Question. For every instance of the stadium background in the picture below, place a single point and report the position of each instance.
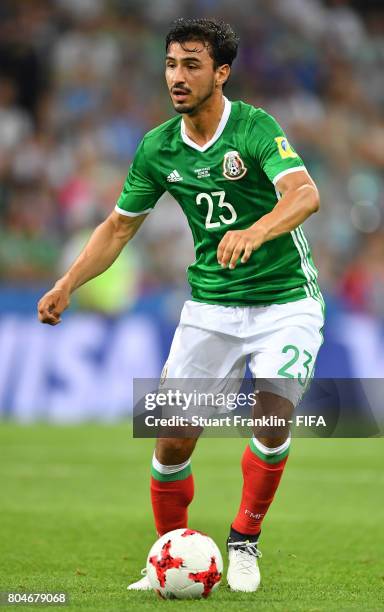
(80, 83)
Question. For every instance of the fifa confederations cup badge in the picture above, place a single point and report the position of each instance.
(233, 166)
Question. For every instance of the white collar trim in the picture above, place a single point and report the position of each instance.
(217, 134)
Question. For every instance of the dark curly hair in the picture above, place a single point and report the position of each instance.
(221, 41)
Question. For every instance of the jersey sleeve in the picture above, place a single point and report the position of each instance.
(141, 191)
(270, 148)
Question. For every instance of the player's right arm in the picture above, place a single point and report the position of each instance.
(104, 246)
(139, 195)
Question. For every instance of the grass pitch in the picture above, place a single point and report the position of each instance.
(75, 517)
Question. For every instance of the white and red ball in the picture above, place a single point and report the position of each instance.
(184, 564)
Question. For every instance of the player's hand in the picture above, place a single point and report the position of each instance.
(239, 243)
(52, 304)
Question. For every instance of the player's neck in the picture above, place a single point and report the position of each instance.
(202, 126)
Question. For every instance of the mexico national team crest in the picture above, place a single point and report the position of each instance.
(233, 166)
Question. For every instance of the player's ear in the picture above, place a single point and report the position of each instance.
(222, 75)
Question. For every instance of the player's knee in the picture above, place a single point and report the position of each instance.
(172, 451)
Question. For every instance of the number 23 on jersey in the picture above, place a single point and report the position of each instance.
(214, 200)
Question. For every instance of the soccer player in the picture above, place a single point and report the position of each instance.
(245, 193)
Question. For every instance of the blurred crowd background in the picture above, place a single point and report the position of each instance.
(81, 81)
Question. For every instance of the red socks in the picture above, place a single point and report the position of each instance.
(172, 489)
(262, 470)
(171, 494)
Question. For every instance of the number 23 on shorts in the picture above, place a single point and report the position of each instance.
(299, 364)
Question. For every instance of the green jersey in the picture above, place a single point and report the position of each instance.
(227, 184)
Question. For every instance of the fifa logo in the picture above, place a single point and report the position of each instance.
(284, 148)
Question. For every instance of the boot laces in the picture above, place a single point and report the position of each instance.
(245, 555)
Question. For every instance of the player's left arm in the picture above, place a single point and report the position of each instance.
(299, 199)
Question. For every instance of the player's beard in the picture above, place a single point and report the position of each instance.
(193, 108)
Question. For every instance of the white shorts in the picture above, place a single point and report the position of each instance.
(281, 342)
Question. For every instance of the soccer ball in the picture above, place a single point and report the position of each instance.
(184, 564)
